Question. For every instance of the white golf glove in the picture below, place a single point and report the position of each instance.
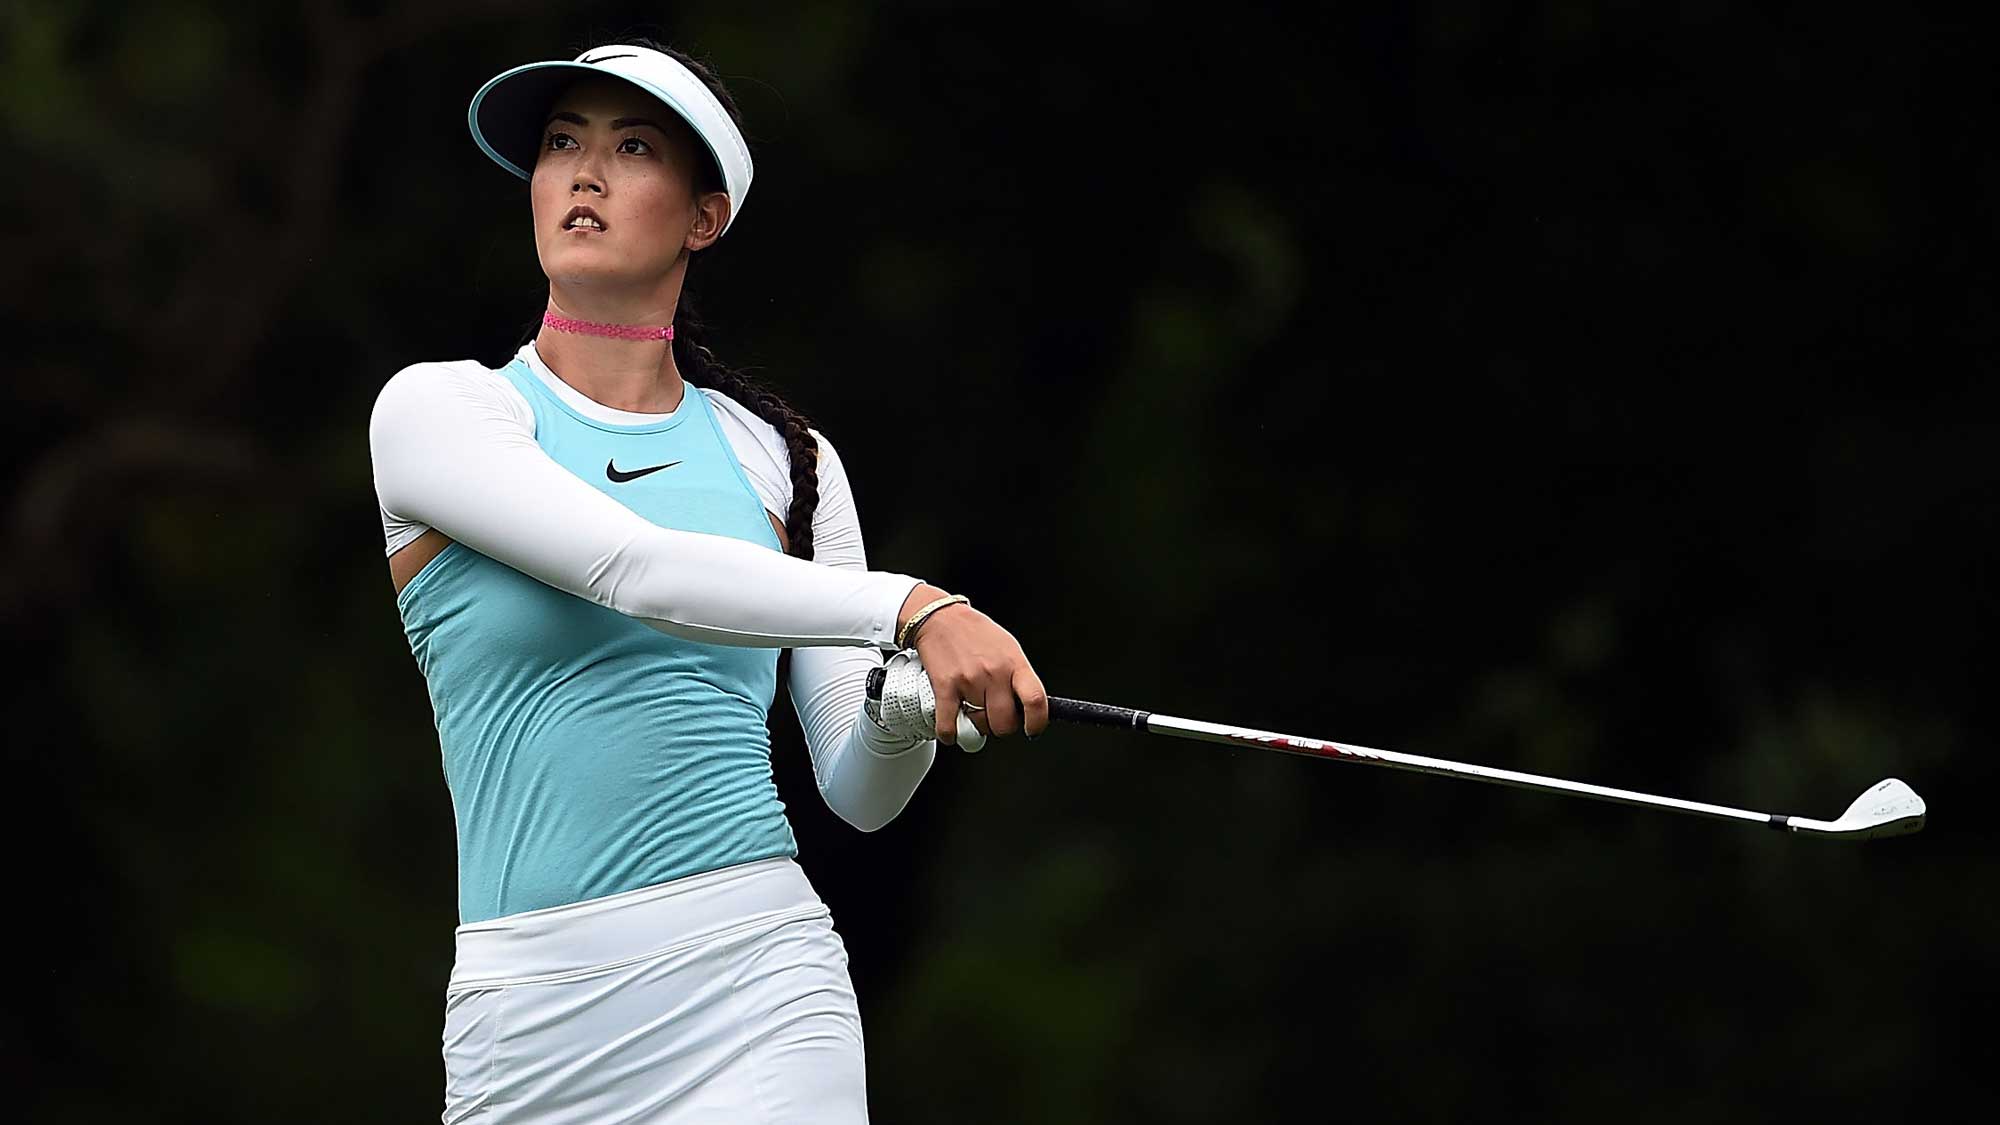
(907, 704)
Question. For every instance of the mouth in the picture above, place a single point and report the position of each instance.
(583, 219)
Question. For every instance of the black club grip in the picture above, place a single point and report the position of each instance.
(1096, 714)
(1060, 709)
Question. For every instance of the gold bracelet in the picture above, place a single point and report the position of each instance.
(907, 635)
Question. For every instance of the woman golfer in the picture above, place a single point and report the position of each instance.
(598, 550)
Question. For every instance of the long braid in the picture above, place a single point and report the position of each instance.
(702, 369)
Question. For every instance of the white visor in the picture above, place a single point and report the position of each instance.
(508, 113)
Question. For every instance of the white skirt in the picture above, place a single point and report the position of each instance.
(721, 997)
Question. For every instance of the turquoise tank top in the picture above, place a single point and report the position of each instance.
(586, 752)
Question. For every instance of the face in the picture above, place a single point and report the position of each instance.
(614, 149)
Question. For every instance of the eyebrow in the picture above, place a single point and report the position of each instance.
(616, 122)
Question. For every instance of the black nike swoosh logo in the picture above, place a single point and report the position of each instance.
(606, 58)
(619, 476)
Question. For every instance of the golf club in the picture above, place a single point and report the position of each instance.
(1887, 808)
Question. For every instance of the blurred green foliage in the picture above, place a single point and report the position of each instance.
(1582, 388)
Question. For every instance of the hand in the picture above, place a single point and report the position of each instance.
(902, 706)
(970, 658)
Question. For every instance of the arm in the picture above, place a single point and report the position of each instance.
(865, 773)
(451, 451)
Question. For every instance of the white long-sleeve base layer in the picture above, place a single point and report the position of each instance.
(454, 449)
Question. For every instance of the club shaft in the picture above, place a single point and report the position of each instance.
(1080, 711)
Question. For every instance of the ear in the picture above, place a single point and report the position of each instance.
(711, 214)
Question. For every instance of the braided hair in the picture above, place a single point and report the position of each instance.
(700, 366)
(702, 369)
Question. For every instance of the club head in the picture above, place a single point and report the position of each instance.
(1888, 808)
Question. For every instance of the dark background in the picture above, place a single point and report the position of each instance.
(1592, 389)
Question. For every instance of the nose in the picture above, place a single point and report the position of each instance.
(587, 177)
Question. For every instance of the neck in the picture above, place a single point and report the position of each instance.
(634, 375)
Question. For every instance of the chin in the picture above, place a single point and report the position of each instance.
(585, 265)
(575, 264)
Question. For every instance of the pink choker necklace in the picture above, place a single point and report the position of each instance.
(615, 331)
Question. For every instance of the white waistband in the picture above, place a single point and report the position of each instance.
(598, 932)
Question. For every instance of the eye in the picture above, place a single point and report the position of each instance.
(554, 139)
(643, 146)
